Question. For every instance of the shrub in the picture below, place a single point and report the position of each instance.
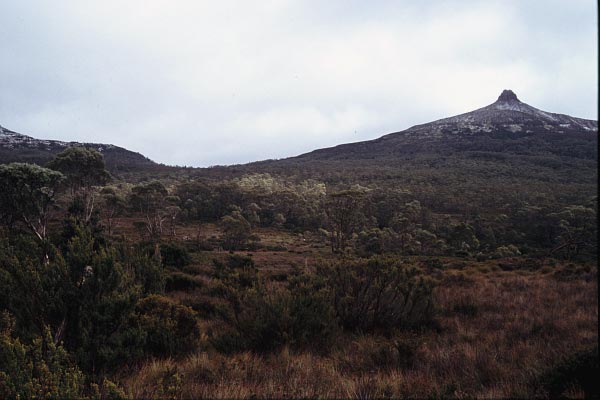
(378, 293)
(264, 318)
(181, 281)
(581, 370)
(371, 353)
(466, 306)
(236, 231)
(38, 370)
(149, 272)
(171, 328)
(507, 251)
(174, 255)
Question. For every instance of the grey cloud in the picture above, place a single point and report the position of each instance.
(204, 83)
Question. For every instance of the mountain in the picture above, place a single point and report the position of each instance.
(505, 126)
(16, 147)
(496, 157)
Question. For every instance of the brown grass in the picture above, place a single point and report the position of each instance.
(498, 331)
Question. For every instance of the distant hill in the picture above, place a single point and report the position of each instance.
(507, 137)
(507, 126)
(16, 147)
(507, 154)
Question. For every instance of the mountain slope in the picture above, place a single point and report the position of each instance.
(506, 126)
(16, 147)
(496, 157)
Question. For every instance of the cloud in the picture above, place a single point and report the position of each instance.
(203, 83)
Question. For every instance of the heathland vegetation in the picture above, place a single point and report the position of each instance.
(247, 283)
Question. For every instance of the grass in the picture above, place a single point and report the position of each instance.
(498, 333)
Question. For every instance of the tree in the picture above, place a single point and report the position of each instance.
(463, 239)
(151, 199)
(172, 210)
(405, 223)
(236, 230)
(343, 211)
(577, 229)
(27, 193)
(84, 169)
(113, 205)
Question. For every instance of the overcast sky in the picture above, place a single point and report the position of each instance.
(201, 83)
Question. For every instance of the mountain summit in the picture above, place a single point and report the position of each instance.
(511, 114)
(507, 96)
(505, 126)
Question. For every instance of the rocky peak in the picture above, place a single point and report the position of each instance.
(507, 96)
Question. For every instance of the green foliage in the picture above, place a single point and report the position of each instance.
(356, 295)
(463, 239)
(181, 281)
(577, 230)
(150, 200)
(236, 231)
(174, 255)
(171, 328)
(37, 370)
(264, 317)
(100, 323)
(507, 251)
(86, 297)
(149, 272)
(378, 294)
(112, 205)
(343, 215)
(83, 167)
(27, 192)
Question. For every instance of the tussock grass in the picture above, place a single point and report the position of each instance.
(522, 327)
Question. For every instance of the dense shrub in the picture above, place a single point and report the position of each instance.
(265, 317)
(378, 293)
(84, 295)
(581, 370)
(149, 273)
(181, 281)
(170, 328)
(174, 255)
(38, 370)
(236, 231)
(371, 353)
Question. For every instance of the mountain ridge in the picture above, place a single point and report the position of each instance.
(507, 119)
(17, 147)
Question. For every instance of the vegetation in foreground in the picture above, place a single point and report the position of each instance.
(265, 286)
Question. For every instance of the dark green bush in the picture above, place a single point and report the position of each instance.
(170, 328)
(580, 370)
(174, 255)
(267, 319)
(181, 281)
(38, 370)
(378, 294)
(264, 318)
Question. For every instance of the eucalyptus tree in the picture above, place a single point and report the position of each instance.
(150, 200)
(27, 193)
(343, 212)
(84, 170)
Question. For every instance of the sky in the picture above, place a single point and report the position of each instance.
(201, 83)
